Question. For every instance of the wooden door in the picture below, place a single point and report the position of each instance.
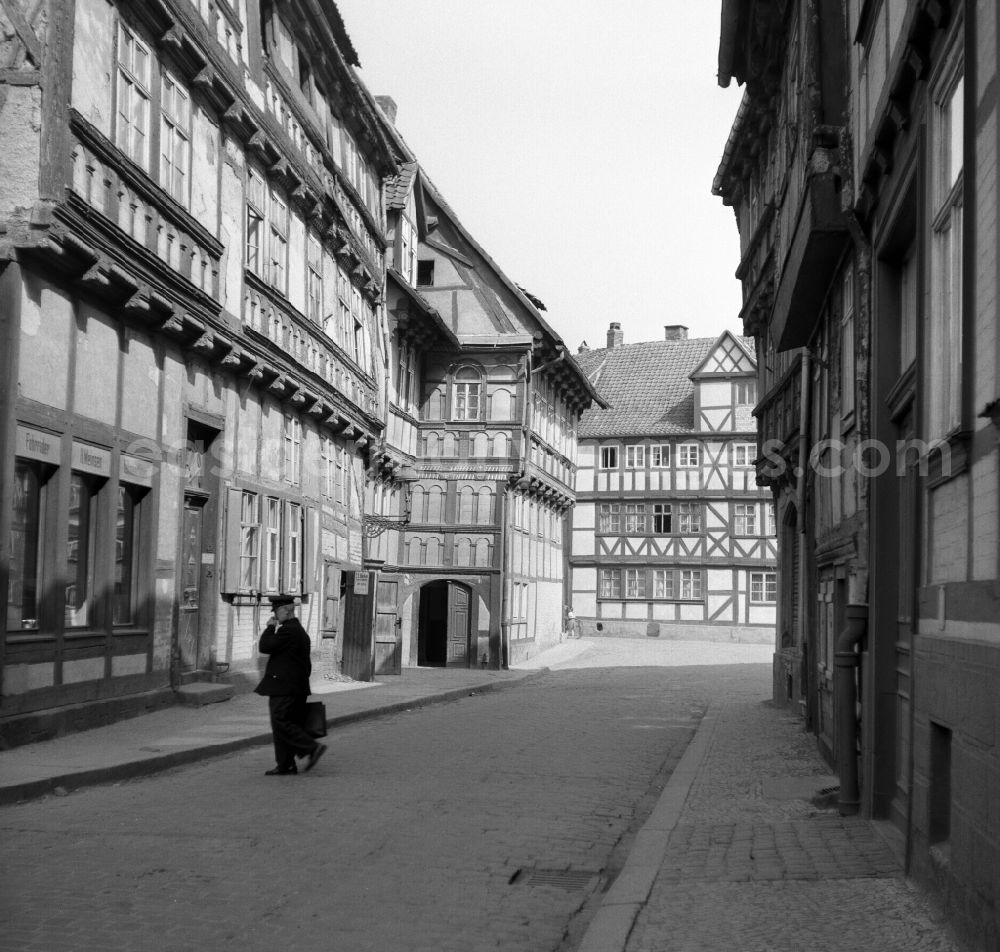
(193, 648)
(388, 630)
(458, 626)
(358, 626)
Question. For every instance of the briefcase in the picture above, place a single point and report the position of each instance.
(315, 723)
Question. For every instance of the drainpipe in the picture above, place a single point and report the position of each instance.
(800, 506)
(845, 698)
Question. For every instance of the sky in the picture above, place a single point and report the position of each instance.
(577, 142)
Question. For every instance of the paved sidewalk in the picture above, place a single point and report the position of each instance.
(180, 735)
(736, 856)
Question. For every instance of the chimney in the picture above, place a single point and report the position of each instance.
(615, 336)
(388, 105)
(583, 348)
(675, 332)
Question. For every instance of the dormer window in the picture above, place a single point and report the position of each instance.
(425, 274)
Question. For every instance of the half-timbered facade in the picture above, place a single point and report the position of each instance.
(863, 171)
(193, 257)
(670, 528)
(478, 454)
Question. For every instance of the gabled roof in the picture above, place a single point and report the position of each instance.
(730, 355)
(648, 387)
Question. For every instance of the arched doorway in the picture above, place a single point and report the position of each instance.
(444, 625)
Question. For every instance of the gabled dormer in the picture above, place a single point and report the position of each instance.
(725, 387)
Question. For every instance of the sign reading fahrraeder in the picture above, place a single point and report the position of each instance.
(91, 459)
(36, 444)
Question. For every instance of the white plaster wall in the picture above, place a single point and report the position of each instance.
(93, 38)
(140, 385)
(272, 449)
(231, 229)
(248, 426)
(205, 171)
(21, 123)
(46, 325)
(715, 393)
(96, 390)
(296, 260)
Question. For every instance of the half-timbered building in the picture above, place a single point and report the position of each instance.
(192, 265)
(862, 168)
(671, 534)
(484, 405)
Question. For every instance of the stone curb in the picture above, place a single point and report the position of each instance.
(610, 928)
(32, 789)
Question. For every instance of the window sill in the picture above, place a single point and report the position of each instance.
(944, 465)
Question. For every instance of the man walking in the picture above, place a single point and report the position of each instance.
(286, 686)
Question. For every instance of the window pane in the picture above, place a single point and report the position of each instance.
(80, 544)
(25, 548)
(126, 554)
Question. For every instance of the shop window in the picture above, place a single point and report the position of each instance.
(27, 519)
(81, 550)
(128, 530)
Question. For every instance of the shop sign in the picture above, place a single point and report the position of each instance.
(36, 444)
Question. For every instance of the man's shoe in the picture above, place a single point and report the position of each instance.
(314, 756)
(281, 771)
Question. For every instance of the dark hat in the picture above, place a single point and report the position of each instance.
(278, 600)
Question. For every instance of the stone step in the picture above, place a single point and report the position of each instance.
(199, 693)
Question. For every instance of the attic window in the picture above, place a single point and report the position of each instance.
(425, 274)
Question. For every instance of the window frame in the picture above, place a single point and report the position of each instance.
(659, 456)
(684, 455)
(609, 457)
(127, 78)
(635, 456)
(763, 582)
(171, 130)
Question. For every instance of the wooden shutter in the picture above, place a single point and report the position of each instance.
(231, 563)
(331, 598)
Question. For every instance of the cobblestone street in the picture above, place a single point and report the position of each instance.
(407, 836)
(496, 821)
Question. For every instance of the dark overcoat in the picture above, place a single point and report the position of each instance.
(288, 665)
